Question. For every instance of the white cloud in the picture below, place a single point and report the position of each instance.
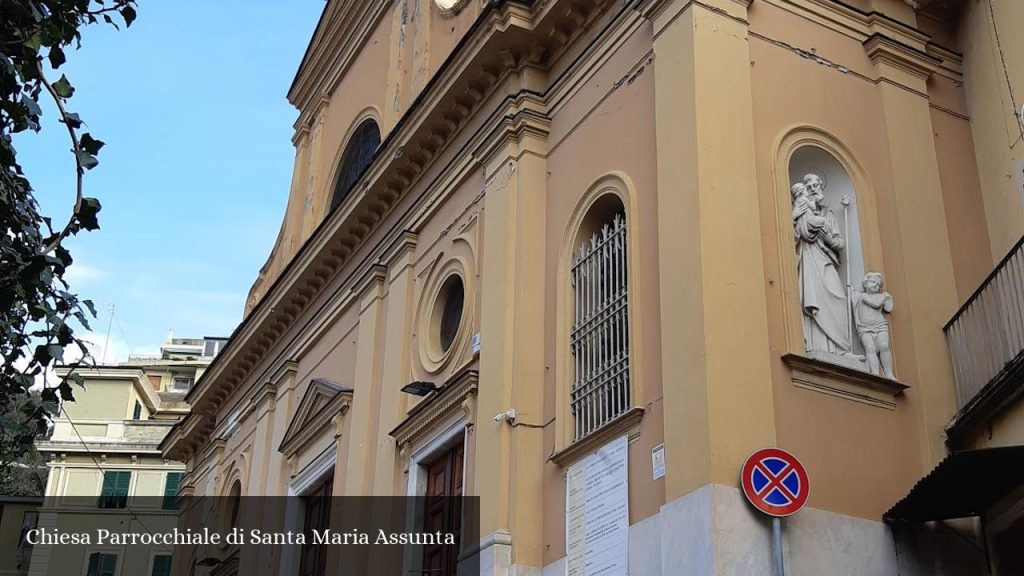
(79, 274)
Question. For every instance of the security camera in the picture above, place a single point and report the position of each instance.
(508, 416)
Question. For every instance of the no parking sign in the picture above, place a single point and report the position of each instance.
(775, 482)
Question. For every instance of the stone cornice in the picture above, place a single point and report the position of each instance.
(625, 423)
(843, 382)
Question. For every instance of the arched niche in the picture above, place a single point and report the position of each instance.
(811, 156)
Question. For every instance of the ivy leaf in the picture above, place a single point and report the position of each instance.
(87, 216)
(73, 120)
(128, 13)
(90, 306)
(87, 160)
(63, 87)
(90, 144)
(34, 42)
(33, 106)
(66, 392)
(56, 57)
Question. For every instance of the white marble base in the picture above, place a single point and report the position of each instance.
(712, 531)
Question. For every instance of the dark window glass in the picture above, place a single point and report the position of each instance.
(137, 413)
(162, 565)
(236, 502)
(358, 155)
(452, 315)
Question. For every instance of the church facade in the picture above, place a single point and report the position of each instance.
(666, 232)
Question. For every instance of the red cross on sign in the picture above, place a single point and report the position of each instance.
(775, 482)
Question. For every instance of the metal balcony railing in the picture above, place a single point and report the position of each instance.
(986, 336)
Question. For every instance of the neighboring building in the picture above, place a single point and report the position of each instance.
(18, 515)
(103, 452)
(983, 477)
(522, 233)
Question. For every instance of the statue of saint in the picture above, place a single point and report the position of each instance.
(869, 310)
(823, 298)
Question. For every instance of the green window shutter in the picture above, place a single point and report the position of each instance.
(137, 414)
(115, 489)
(106, 492)
(109, 565)
(161, 565)
(171, 490)
(101, 564)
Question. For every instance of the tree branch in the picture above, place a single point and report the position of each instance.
(75, 150)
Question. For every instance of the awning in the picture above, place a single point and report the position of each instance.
(964, 484)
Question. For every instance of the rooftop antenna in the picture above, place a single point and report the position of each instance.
(106, 343)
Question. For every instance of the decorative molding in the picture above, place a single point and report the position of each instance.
(402, 246)
(843, 381)
(325, 402)
(433, 411)
(623, 424)
(882, 49)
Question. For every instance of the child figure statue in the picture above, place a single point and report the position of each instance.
(869, 310)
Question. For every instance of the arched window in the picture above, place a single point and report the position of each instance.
(231, 507)
(600, 326)
(358, 155)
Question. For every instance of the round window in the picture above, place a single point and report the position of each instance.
(453, 295)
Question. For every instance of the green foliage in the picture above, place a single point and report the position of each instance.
(37, 307)
(26, 475)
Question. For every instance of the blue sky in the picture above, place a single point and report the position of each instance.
(195, 174)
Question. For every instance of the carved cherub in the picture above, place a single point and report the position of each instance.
(869, 311)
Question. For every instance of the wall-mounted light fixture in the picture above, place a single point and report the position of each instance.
(419, 388)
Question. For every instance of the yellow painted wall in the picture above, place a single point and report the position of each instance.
(989, 65)
(103, 400)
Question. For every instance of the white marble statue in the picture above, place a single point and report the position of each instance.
(869, 310)
(823, 298)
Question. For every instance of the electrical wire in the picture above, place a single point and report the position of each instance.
(134, 514)
(1006, 71)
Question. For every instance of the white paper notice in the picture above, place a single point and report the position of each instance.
(597, 513)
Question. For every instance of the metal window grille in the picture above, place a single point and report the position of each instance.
(600, 331)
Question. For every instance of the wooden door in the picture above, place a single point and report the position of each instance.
(318, 517)
(443, 511)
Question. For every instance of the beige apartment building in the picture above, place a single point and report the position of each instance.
(533, 245)
(104, 458)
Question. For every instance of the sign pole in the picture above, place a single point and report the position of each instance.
(775, 483)
(780, 569)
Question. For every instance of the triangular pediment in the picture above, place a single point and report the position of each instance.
(320, 403)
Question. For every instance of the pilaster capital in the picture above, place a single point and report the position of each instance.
(890, 55)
